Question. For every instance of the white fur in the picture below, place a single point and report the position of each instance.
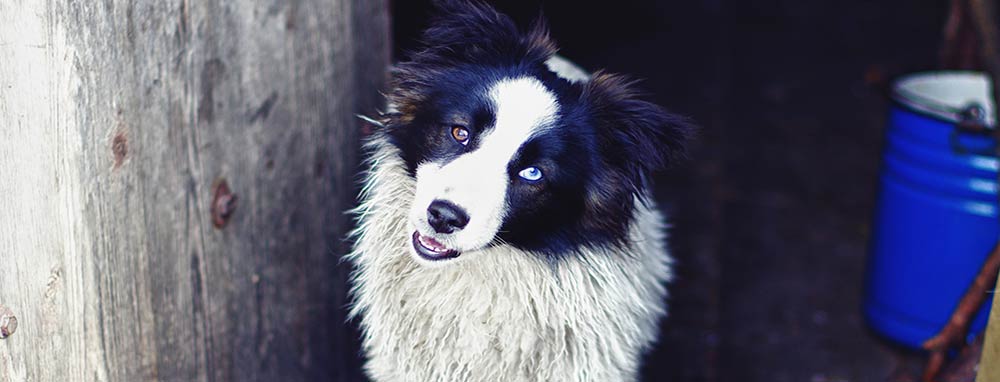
(567, 69)
(477, 181)
(505, 315)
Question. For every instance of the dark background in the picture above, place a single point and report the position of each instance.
(771, 216)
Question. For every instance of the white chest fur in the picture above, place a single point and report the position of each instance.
(505, 315)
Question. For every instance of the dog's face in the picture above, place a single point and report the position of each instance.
(505, 152)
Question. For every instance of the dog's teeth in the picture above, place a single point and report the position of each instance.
(432, 244)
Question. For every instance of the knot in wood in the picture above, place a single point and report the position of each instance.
(8, 322)
(223, 204)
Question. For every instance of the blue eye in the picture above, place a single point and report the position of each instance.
(531, 174)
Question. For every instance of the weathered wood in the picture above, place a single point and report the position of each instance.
(117, 118)
(989, 364)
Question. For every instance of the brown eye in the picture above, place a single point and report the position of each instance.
(461, 134)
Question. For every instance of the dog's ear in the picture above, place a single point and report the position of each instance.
(637, 136)
(473, 31)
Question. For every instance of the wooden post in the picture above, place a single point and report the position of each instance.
(119, 121)
(989, 364)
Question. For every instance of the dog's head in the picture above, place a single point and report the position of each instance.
(506, 152)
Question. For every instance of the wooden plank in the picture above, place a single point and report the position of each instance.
(989, 364)
(116, 120)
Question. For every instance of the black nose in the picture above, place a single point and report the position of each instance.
(446, 217)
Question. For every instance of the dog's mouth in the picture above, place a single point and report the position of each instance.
(430, 249)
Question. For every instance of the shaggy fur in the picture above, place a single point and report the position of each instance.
(509, 315)
(572, 286)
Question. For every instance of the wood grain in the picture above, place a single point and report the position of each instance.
(989, 364)
(117, 118)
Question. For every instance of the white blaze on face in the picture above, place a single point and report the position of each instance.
(477, 181)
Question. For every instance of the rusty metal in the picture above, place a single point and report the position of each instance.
(8, 322)
(223, 203)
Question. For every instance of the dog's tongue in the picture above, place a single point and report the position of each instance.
(432, 244)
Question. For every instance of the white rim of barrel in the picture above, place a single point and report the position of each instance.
(946, 94)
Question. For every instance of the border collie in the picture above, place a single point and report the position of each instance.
(506, 230)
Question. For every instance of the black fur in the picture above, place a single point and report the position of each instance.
(597, 159)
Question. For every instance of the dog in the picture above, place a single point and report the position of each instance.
(505, 230)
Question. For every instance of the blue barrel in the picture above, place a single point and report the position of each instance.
(936, 219)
